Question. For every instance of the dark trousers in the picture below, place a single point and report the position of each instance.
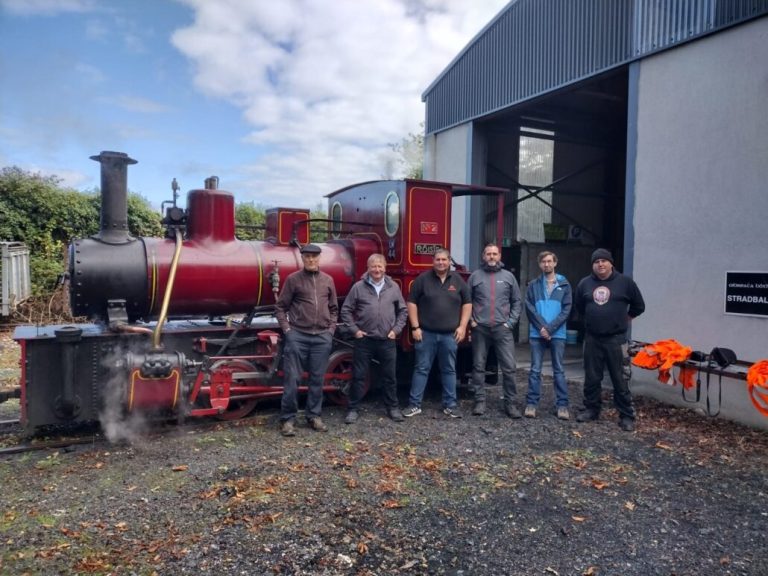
(385, 352)
(502, 339)
(310, 351)
(601, 353)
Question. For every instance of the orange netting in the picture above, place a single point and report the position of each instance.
(663, 355)
(757, 378)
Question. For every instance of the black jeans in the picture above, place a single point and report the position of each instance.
(310, 351)
(385, 352)
(601, 352)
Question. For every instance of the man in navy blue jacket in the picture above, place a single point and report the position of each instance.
(607, 301)
(547, 306)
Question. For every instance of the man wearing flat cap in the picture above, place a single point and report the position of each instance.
(307, 309)
(607, 301)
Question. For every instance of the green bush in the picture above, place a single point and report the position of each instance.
(36, 210)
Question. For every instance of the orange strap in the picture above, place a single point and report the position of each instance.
(663, 355)
(757, 378)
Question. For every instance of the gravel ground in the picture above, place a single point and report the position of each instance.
(480, 495)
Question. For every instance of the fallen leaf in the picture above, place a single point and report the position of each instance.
(663, 446)
(591, 571)
(598, 484)
(629, 506)
(180, 468)
(362, 548)
(391, 504)
(577, 434)
(578, 518)
(549, 570)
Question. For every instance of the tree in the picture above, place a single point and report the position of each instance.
(36, 210)
(250, 219)
(410, 154)
(318, 230)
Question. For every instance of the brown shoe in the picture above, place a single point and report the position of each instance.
(317, 424)
(530, 411)
(287, 429)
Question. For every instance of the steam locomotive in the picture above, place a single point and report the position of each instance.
(183, 326)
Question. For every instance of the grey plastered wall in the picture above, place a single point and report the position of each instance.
(447, 160)
(701, 197)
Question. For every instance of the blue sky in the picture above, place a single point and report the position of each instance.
(284, 100)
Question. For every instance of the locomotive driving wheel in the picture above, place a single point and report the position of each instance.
(340, 365)
(236, 407)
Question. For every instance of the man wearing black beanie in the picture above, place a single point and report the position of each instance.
(607, 301)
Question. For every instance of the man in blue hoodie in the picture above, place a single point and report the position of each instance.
(547, 305)
(496, 307)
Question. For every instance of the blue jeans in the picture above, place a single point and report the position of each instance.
(557, 350)
(444, 347)
(310, 351)
(502, 339)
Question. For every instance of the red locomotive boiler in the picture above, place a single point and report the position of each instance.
(159, 339)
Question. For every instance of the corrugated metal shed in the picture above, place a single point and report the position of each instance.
(536, 46)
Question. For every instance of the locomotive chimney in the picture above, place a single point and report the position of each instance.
(114, 196)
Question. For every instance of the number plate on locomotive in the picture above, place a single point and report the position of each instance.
(420, 248)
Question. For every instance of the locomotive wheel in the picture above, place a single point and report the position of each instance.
(237, 408)
(340, 362)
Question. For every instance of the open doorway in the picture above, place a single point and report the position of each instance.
(563, 157)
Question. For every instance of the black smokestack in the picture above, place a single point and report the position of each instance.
(114, 196)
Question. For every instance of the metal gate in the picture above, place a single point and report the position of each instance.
(16, 286)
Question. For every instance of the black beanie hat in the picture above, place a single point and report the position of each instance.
(602, 254)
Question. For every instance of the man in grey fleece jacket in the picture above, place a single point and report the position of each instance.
(496, 307)
(375, 313)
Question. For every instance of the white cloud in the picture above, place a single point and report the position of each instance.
(325, 86)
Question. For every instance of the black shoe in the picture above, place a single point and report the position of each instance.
(587, 415)
(453, 412)
(395, 414)
(351, 417)
(479, 408)
(512, 411)
(627, 424)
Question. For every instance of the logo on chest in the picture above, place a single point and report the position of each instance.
(601, 295)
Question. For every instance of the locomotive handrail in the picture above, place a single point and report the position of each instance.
(168, 290)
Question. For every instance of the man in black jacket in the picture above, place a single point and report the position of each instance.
(607, 301)
(375, 313)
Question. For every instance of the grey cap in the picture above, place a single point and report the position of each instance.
(311, 249)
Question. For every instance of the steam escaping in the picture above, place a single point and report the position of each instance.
(118, 424)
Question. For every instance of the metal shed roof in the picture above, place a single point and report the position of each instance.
(536, 46)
